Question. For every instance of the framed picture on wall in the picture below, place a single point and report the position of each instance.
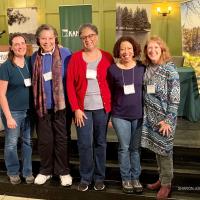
(133, 20)
(23, 20)
(190, 12)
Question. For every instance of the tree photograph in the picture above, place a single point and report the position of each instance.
(190, 15)
(133, 20)
(23, 20)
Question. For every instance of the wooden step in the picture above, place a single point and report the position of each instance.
(52, 190)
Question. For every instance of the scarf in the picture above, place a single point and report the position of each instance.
(57, 84)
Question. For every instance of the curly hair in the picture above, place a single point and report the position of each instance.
(165, 53)
(135, 45)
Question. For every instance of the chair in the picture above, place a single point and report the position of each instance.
(178, 60)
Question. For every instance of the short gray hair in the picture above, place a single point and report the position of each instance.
(48, 28)
(87, 25)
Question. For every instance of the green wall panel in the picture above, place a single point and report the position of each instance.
(17, 3)
(72, 2)
(31, 3)
(109, 29)
(95, 4)
(169, 28)
(3, 25)
(53, 19)
(53, 6)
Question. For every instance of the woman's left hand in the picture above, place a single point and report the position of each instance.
(164, 128)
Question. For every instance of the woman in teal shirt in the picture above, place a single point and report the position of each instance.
(15, 84)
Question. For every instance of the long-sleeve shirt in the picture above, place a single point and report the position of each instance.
(77, 82)
(130, 106)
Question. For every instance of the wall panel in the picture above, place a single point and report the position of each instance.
(103, 16)
(17, 3)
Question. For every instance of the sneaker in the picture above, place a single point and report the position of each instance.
(127, 187)
(41, 179)
(99, 186)
(83, 187)
(15, 179)
(66, 180)
(137, 186)
(29, 179)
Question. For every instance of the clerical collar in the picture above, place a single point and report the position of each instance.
(46, 53)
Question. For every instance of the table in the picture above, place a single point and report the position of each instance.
(189, 95)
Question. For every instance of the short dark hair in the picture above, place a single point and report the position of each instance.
(135, 45)
(48, 28)
(87, 25)
(11, 37)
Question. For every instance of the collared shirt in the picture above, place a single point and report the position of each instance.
(47, 67)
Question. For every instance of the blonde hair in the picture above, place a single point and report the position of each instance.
(165, 54)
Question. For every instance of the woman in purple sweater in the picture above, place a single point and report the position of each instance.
(125, 80)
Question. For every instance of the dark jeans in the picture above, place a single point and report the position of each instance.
(52, 143)
(92, 146)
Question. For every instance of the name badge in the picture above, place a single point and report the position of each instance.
(151, 89)
(47, 76)
(129, 89)
(91, 74)
(27, 82)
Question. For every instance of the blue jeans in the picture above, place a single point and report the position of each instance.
(22, 130)
(92, 146)
(129, 137)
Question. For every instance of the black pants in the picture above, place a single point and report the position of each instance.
(52, 143)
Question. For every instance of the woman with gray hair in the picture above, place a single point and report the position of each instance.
(49, 69)
(89, 96)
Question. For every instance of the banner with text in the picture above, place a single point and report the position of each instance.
(71, 17)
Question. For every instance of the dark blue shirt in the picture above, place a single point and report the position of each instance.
(129, 106)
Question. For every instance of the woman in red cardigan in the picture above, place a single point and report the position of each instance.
(89, 96)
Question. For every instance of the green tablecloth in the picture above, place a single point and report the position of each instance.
(189, 98)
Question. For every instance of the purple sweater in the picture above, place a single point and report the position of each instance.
(130, 106)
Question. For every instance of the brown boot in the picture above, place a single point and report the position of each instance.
(154, 186)
(164, 192)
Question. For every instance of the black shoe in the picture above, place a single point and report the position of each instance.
(99, 186)
(82, 187)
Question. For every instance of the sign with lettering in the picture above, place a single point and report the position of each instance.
(71, 17)
(3, 56)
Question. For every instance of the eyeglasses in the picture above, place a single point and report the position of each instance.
(90, 36)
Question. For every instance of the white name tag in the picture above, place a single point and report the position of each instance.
(27, 82)
(91, 74)
(129, 89)
(47, 76)
(151, 89)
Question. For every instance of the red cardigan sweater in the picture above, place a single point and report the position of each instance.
(77, 82)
